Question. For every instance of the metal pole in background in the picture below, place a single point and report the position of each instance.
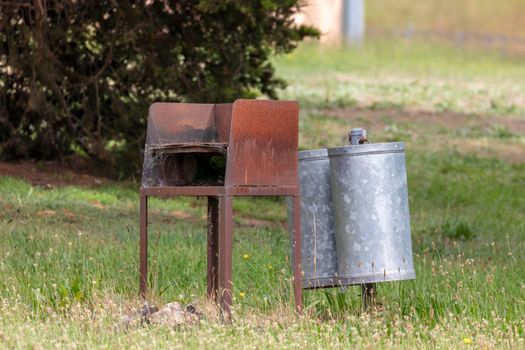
(354, 21)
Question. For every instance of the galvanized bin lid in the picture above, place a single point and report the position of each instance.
(313, 154)
(365, 149)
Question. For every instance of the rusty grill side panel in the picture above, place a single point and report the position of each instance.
(263, 144)
(222, 121)
(180, 122)
(186, 144)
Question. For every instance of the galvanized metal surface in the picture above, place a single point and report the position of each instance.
(369, 190)
(257, 141)
(318, 252)
(357, 136)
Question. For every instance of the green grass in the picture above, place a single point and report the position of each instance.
(413, 60)
(385, 74)
(468, 236)
(69, 255)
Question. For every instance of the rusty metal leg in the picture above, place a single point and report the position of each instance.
(368, 295)
(213, 247)
(225, 256)
(143, 269)
(296, 222)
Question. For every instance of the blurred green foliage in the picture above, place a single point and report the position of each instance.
(77, 77)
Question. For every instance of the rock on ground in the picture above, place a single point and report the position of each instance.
(171, 315)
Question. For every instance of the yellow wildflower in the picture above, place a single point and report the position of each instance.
(467, 340)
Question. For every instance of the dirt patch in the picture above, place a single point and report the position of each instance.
(182, 215)
(46, 213)
(483, 135)
(507, 151)
(240, 220)
(51, 174)
(252, 222)
(450, 120)
(97, 204)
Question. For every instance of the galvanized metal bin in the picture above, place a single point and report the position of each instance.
(370, 201)
(318, 251)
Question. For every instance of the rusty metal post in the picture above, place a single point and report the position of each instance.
(213, 247)
(225, 255)
(143, 268)
(368, 297)
(297, 277)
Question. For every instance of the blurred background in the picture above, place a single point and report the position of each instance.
(491, 25)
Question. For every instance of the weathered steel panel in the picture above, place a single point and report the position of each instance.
(262, 148)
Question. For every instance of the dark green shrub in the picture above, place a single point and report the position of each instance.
(78, 76)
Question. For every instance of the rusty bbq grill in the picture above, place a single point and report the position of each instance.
(248, 148)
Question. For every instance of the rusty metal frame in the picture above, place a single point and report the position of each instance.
(253, 125)
(220, 241)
